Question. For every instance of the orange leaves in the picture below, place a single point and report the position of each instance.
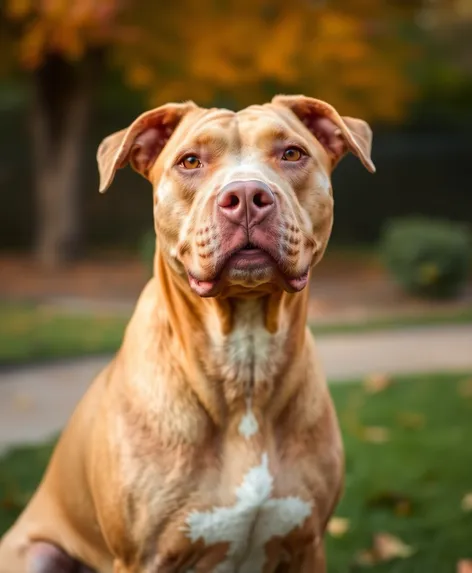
(338, 526)
(398, 503)
(385, 547)
(275, 58)
(140, 76)
(17, 9)
(327, 51)
(67, 27)
(376, 383)
(183, 50)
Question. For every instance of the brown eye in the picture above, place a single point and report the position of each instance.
(292, 154)
(191, 162)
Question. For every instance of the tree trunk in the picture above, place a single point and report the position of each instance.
(61, 112)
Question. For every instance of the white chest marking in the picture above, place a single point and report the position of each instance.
(250, 353)
(248, 425)
(250, 523)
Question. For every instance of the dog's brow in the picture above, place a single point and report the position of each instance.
(210, 118)
(213, 138)
(277, 132)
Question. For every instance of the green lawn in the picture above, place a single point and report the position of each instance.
(434, 318)
(425, 468)
(410, 486)
(30, 332)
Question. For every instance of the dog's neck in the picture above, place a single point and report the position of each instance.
(238, 350)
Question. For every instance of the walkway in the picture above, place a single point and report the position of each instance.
(36, 401)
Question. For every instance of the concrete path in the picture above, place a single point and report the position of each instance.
(36, 401)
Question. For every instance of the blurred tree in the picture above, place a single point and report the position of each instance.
(60, 42)
(226, 52)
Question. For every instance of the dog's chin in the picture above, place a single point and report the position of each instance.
(246, 272)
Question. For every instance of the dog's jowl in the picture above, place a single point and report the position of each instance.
(209, 444)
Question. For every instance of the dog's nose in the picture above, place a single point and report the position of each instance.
(246, 202)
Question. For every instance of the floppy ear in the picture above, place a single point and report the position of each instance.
(337, 134)
(140, 143)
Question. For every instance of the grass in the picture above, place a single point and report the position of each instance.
(410, 486)
(434, 318)
(30, 332)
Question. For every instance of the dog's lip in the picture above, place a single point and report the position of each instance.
(247, 253)
(203, 288)
(298, 283)
(246, 256)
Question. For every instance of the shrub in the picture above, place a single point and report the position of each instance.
(427, 257)
(147, 249)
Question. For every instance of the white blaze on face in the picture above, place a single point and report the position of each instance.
(164, 189)
(250, 523)
(322, 182)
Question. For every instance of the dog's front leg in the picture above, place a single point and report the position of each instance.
(311, 560)
(314, 560)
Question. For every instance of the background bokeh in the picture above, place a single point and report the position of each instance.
(76, 70)
(392, 298)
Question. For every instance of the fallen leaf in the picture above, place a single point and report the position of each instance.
(466, 503)
(338, 526)
(387, 547)
(464, 388)
(411, 420)
(375, 434)
(399, 503)
(365, 558)
(15, 500)
(464, 566)
(376, 383)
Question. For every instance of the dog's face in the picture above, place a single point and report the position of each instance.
(242, 201)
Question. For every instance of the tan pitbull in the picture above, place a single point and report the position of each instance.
(209, 443)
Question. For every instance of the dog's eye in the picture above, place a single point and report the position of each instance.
(191, 162)
(292, 154)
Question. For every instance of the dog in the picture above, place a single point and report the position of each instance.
(210, 442)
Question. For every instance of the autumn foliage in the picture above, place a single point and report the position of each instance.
(346, 52)
(356, 54)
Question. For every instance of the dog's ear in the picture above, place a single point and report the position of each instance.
(140, 143)
(337, 134)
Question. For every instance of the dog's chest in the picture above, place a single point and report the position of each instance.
(257, 516)
(248, 358)
(236, 508)
(234, 504)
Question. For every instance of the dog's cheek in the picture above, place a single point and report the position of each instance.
(323, 224)
(169, 219)
(315, 220)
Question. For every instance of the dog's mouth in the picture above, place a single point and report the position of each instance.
(250, 261)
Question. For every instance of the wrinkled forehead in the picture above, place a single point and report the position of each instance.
(253, 129)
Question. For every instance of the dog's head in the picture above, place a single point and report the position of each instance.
(242, 201)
